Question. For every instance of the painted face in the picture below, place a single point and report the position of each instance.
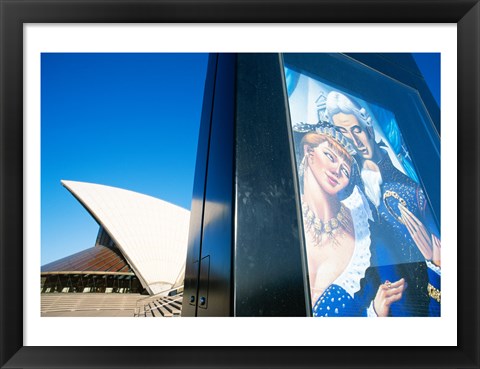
(362, 139)
(330, 170)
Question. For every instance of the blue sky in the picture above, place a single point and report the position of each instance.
(123, 120)
(429, 65)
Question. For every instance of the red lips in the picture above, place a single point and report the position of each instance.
(332, 180)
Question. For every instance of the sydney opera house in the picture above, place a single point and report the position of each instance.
(140, 247)
(242, 250)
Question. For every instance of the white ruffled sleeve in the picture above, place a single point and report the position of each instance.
(350, 279)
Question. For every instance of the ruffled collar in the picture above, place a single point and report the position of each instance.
(350, 279)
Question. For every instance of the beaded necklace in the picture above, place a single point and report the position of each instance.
(331, 228)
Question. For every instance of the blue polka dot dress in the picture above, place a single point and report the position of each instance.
(337, 300)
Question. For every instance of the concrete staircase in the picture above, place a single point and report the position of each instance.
(110, 304)
(160, 306)
(58, 302)
(165, 306)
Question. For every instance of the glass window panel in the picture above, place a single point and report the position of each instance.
(367, 153)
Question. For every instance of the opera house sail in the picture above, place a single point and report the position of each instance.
(140, 247)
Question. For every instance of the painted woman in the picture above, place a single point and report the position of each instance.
(336, 219)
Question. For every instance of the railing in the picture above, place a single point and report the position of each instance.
(160, 304)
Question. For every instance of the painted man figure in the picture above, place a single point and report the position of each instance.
(402, 247)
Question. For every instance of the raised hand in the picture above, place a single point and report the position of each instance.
(417, 230)
(437, 246)
(387, 294)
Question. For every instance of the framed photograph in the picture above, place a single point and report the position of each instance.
(322, 91)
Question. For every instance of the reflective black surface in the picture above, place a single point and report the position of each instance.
(269, 273)
(217, 240)
(213, 216)
(249, 260)
(198, 196)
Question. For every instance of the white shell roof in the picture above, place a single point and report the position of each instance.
(152, 234)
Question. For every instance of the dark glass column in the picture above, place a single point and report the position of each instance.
(270, 278)
(245, 253)
(208, 273)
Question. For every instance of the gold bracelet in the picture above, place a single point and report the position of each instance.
(395, 195)
(434, 293)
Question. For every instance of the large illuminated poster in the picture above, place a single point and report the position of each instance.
(372, 244)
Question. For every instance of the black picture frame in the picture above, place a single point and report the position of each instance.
(15, 13)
